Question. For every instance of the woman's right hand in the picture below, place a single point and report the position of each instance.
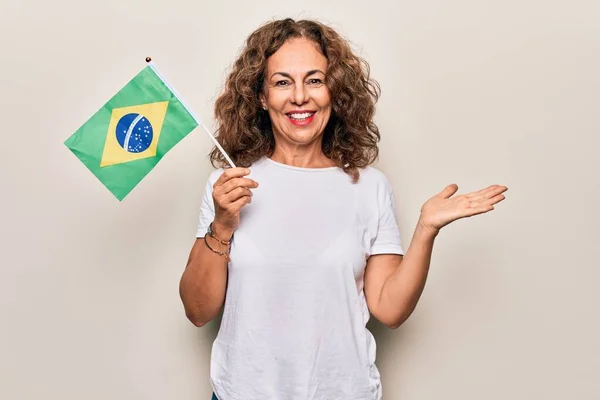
(230, 193)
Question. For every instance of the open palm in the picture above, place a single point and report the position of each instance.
(442, 209)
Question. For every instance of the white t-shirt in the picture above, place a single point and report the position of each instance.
(295, 314)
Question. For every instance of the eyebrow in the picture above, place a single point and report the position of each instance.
(309, 73)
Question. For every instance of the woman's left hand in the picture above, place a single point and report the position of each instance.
(441, 210)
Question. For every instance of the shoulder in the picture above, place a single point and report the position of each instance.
(373, 173)
(375, 186)
(374, 177)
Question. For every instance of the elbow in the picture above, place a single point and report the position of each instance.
(200, 316)
(196, 320)
(200, 310)
(396, 321)
(195, 315)
(198, 324)
(393, 325)
(389, 322)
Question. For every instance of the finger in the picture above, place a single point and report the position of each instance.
(496, 199)
(238, 182)
(237, 205)
(486, 193)
(484, 204)
(230, 173)
(235, 194)
(477, 209)
(448, 191)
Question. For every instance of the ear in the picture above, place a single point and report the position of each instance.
(263, 100)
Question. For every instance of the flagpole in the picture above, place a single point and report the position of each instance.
(189, 110)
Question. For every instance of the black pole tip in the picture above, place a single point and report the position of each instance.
(148, 59)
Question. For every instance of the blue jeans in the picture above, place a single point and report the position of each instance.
(214, 397)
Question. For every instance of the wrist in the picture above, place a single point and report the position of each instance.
(222, 231)
(427, 229)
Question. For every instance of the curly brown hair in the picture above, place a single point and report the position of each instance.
(244, 128)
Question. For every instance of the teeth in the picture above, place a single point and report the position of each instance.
(300, 116)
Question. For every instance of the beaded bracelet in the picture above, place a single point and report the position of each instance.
(211, 233)
(221, 253)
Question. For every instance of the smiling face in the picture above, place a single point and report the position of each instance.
(295, 94)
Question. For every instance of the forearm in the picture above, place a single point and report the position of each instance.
(203, 283)
(403, 288)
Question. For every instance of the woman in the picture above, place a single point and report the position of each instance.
(299, 243)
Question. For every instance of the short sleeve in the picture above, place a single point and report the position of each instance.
(387, 239)
(207, 206)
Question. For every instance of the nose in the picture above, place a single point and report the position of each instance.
(299, 95)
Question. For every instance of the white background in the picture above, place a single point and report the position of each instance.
(474, 93)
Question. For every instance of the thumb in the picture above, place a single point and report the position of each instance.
(449, 191)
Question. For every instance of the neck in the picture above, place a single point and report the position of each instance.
(308, 158)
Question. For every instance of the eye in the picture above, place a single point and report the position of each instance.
(315, 81)
(281, 83)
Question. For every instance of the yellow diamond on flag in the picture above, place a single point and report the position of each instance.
(133, 133)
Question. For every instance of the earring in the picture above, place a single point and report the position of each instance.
(265, 108)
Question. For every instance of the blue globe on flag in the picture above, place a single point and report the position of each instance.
(134, 133)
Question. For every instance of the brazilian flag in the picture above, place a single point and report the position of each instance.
(128, 136)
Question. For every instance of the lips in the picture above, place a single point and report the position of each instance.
(301, 117)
